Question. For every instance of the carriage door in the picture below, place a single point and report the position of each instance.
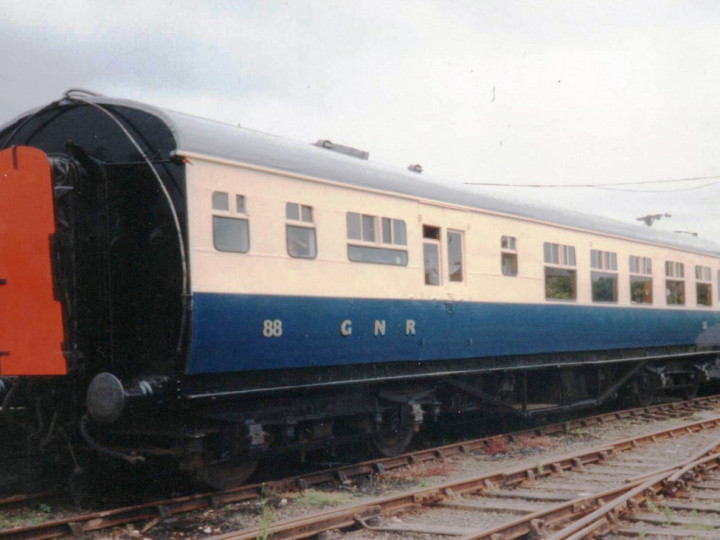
(431, 254)
(31, 325)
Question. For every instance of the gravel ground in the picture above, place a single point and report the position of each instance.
(282, 506)
(612, 474)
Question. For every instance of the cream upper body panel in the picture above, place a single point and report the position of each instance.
(267, 267)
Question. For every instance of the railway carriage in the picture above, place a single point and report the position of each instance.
(217, 294)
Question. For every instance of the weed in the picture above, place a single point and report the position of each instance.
(668, 516)
(9, 520)
(267, 498)
(312, 497)
(695, 524)
(540, 468)
(266, 520)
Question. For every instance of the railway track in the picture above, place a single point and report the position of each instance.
(25, 499)
(154, 513)
(574, 496)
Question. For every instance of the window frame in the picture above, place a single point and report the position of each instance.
(640, 271)
(227, 214)
(674, 281)
(304, 221)
(603, 265)
(703, 282)
(372, 248)
(560, 259)
(508, 251)
(461, 235)
(671, 287)
(675, 269)
(432, 240)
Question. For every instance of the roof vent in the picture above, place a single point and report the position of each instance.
(342, 149)
(415, 167)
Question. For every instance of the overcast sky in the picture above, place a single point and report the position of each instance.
(512, 92)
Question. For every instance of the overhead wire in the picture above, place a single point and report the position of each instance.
(610, 185)
(694, 188)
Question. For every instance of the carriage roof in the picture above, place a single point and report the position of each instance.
(200, 136)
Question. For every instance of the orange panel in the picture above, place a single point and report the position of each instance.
(31, 327)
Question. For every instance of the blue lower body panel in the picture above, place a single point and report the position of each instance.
(234, 333)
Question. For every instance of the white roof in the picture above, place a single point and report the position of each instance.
(230, 142)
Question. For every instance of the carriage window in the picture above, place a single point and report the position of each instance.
(431, 254)
(386, 230)
(640, 280)
(376, 239)
(300, 231)
(368, 228)
(399, 232)
(240, 204)
(220, 200)
(559, 254)
(230, 233)
(354, 232)
(703, 285)
(605, 281)
(675, 288)
(674, 269)
(702, 273)
(560, 277)
(508, 256)
(640, 265)
(455, 255)
(675, 292)
(396, 257)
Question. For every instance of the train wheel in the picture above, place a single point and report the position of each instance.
(643, 393)
(391, 444)
(390, 441)
(691, 391)
(223, 476)
(80, 488)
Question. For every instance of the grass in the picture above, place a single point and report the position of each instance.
(313, 497)
(668, 516)
(267, 518)
(12, 519)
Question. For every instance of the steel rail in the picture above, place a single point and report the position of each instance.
(538, 521)
(350, 515)
(600, 518)
(21, 499)
(157, 511)
(599, 507)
